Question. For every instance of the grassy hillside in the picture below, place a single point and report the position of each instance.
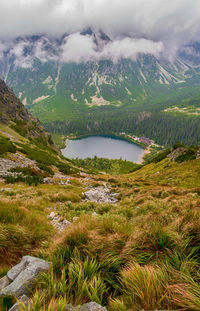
(140, 253)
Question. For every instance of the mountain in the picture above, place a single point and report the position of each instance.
(27, 151)
(85, 97)
(14, 114)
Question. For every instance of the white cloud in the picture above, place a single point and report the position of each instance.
(164, 24)
(130, 48)
(78, 48)
(82, 48)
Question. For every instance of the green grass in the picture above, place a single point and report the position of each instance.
(141, 253)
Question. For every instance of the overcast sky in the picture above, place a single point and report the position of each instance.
(154, 26)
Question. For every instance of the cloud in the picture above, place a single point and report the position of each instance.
(131, 48)
(164, 24)
(21, 60)
(78, 48)
(82, 48)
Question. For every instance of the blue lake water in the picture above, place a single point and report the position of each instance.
(102, 147)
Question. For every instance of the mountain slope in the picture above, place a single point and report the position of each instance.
(14, 114)
(68, 95)
(27, 152)
(125, 255)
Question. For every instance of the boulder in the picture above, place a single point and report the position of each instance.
(23, 302)
(23, 275)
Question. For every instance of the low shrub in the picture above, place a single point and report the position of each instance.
(6, 146)
(161, 156)
(29, 180)
(46, 168)
(189, 154)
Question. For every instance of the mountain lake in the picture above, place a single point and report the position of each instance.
(102, 147)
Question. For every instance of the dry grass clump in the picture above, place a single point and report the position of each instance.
(21, 231)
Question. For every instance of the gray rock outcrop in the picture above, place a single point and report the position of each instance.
(100, 195)
(22, 276)
(175, 153)
(57, 221)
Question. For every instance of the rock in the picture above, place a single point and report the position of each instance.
(91, 306)
(23, 301)
(94, 214)
(175, 153)
(23, 276)
(57, 221)
(5, 189)
(4, 282)
(100, 195)
(75, 218)
(52, 215)
(69, 308)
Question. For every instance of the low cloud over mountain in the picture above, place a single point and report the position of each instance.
(134, 26)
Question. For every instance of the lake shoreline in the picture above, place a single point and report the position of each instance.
(113, 136)
(136, 156)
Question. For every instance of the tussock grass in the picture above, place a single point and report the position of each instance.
(141, 253)
(21, 231)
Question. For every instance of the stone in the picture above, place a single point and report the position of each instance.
(23, 276)
(5, 189)
(94, 214)
(57, 221)
(91, 306)
(23, 302)
(4, 282)
(52, 215)
(100, 195)
(175, 153)
(69, 308)
(75, 218)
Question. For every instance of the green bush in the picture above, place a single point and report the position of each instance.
(30, 180)
(64, 168)
(6, 146)
(45, 168)
(20, 126)
(40, 156)
(189, 154)
(161, 156)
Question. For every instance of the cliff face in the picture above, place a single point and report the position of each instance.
(15, 114)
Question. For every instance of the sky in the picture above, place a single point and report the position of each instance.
(134, 26)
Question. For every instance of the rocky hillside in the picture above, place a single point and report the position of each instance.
(27, 153)
(14, 114)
